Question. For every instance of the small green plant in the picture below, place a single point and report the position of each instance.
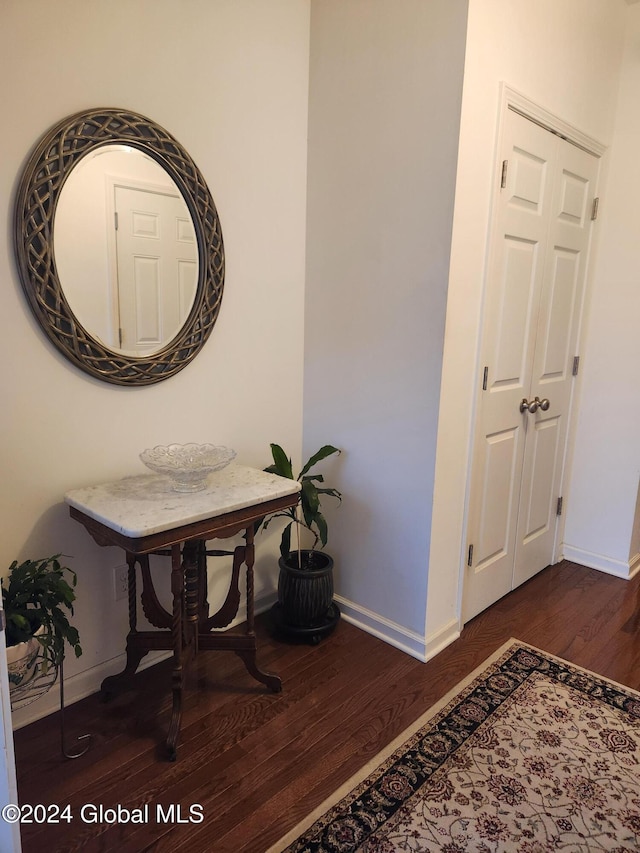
(37, 594)
(310, 497)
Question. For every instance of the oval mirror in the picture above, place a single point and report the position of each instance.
(119, 247)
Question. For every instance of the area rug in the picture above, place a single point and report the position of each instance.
(531, 754)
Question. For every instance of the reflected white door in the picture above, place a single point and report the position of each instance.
(534, 297)
(9, 832)
(157, 262)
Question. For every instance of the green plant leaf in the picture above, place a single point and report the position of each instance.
(285, 542)
(334, 493)
(321, 524)
(266, 520)
(310, 500)
(326, 450)
(282, 463)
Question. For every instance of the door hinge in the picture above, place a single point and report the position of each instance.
(594, 209)
(503, 177)
(485, 377)
(115, 219)
(120, 336)
(559, 507)
(470, 556)
(576, 364)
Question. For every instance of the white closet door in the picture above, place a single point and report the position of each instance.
(534, 290)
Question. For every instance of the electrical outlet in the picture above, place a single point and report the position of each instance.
(121, 582)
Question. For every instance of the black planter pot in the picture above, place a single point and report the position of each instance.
(305, 607)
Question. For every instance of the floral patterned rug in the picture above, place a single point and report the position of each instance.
(532, 754)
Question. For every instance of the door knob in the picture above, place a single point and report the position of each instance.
(526, 406)
(544, 403)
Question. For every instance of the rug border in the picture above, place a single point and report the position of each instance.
(388, 750)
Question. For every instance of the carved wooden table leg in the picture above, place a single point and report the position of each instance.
(177, 588)
(248, 656)
(203, 583)
(132, 592)
(115, 683)
(191, 565)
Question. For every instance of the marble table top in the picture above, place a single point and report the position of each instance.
(142, 505)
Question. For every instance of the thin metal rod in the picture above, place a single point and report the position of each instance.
(65, 752)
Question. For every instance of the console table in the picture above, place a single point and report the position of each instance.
(144, 516)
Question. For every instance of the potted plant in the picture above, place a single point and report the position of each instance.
(305, 605)
(35, 597)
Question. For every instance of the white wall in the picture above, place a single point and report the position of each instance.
(565, 57)
(603, 522)
(229, 79)
(385, 88)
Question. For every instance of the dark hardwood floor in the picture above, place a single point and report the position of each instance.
(258, 762)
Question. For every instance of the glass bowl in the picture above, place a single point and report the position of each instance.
(188, 465)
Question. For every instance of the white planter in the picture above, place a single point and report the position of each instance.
(21, 660)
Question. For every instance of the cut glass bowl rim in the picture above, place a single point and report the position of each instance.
(188, 465)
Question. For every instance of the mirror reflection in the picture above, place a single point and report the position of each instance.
(125, 249)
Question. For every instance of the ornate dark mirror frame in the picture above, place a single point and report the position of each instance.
(38, 193)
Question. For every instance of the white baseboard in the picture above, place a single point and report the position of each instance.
(443, 638)
(414, 644)
(619, 568)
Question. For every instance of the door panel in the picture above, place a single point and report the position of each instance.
(536, 510)
(536, 272)
(187, 285)
(537, 518)
(511, 350)
(147, 295)
(499, 481)
(556, 350)
(528, 179)
(500, 468)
